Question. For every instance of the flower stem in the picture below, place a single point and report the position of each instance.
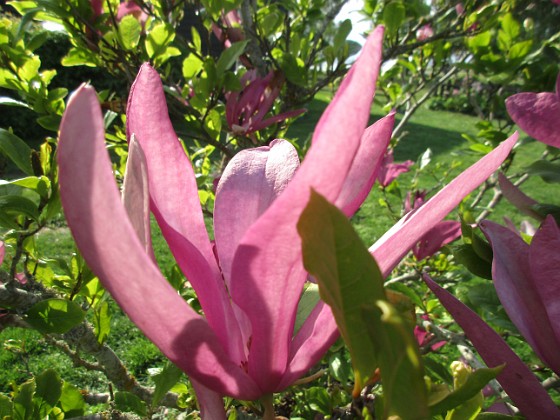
(268, 404)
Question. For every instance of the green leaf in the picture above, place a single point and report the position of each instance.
(229, 56)
(402, 373)
(340, 368)
(126, 401)
(4, 100)
(71, 401)
(466, 255)
(165, 380)
(341, 34)
(129, 31)
(473, 385)
(50, 122)
(102, 322)
(393, 16)
(191, 66)
(15, 205)
(47, 393)
(55, 316)
(347, 275)
(308, 300)
(16, 150)
(41, 185)
(5, 407)
(23, 402)
(158, 39)
(548, 171)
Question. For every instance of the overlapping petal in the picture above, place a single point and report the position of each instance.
(527, 282)
(176, 206)
(522, 386)
(538, 114)
(109, 243)
(268, 275)
(396, 242)
(366, 165)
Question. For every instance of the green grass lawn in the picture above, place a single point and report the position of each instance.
(25, 352)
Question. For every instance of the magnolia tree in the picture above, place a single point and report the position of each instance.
(268, 272)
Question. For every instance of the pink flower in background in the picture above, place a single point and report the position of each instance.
(246, 110)
(232, 32)
(390, 171)
(441, 234)
(538, 114)
(425, 32)
(527, 280)
(96, 7)
(459, 9)
(131, 8)
(424, 337)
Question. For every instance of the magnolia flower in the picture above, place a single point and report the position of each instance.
(424, 32)
(527, 280)
(390, 171)
(233, 31)
(441, 234)
(538, 114)
(246, 110)
(130, 7)
(250, 284)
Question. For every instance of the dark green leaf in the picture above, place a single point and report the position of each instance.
(347, 275)
(465, 255)
(229, 56)
(23, 402)
(165, 380)
(16, 150)
(341, 34)
(402, 372)
(47, 393)
(55, 316)
(15, 205)
(5, 407)
(474, 384)
(127, 402)
(71, 401)
(393, 15)
(548, 171)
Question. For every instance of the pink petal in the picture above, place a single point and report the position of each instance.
(136, 197)
(544, 260)
(110, 245)
(2, 251)
(276, 119)
(318, 333)
(519, 293)
(516, 197)
(442, 234)
(96, 7)
(176, 206)
(538, 114)
(366, 165)
(267, 273)
(395, 243)
(210, 403)
(518, 381)
(392, 171)
(250, 183)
